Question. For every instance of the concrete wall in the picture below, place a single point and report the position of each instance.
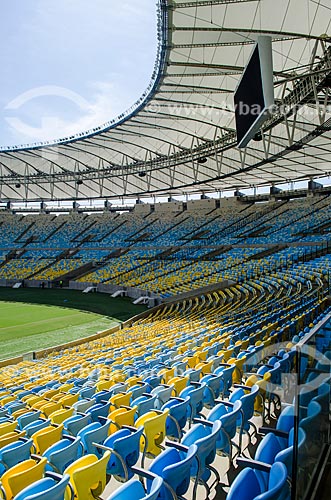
(133, 293)
(11, 361)
(142, 209)
(205, 205)
(171, 207)
(231, 203)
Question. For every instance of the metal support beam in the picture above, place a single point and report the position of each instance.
(205, 3)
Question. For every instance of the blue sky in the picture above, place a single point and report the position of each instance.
(71, 65)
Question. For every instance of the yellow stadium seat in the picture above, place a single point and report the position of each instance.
(88, 476)
(7, 399)
(68, 400)
(31, 400)
(49, 408)
(59, 416)
(11, 437)
(179, 384)
(20, 412)
(154, 429)
(47, 436)
(120, 399)
(21, 475)
(6, 427)
(121, 416)
(166, 374)
(238, 371)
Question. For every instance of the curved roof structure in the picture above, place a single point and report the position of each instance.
(180, 137)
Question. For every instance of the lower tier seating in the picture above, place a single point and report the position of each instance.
(193, 399)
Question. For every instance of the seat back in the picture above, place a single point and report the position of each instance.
(268, 448)
(68, 399)
(276, 484)
(11, 437)
(8, 426)
(138, 390)
(61, 454)
(311, 423)
(205, 438)
(94, 433)
(226, 379)
(196, 399)
(75, 423)
(59, 416)
(163, 394)
(49, 408)
(27, 418)
(285, 420)
(15, 407)
(153, 380)
(35, 426)
(178, 382)
(286, 455)
(207, 446)
(120, 417)
(120, 399)
(83, 405)
(44, 438)
(45, 489)
(212, 391)
(175, 468)
(323, 398)
(14, 453)
(99, 410)
(275, 374)
(306, 394)
(134, 490)
(228, 430)
(166, 374)
(126, 444)
(21, 475)
(247, 486)
(154, 431)
(247, 404)
(87, 392)
(177, 418)
(144, 404)
(88, 476)
(192, 374)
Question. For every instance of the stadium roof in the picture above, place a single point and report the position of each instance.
(180, 137)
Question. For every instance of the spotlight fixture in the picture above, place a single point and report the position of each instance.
(142, 174)
(17, 185)
(203, 159)
(79, 182)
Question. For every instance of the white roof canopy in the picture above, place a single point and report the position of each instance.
(180, 137)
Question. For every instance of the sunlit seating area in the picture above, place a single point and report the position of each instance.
(187, 399)
(165, 253)
(60, 268)
(23, 268)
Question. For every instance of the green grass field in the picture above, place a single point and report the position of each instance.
(33, 319)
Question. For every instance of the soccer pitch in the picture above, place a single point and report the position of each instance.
(26, 327)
